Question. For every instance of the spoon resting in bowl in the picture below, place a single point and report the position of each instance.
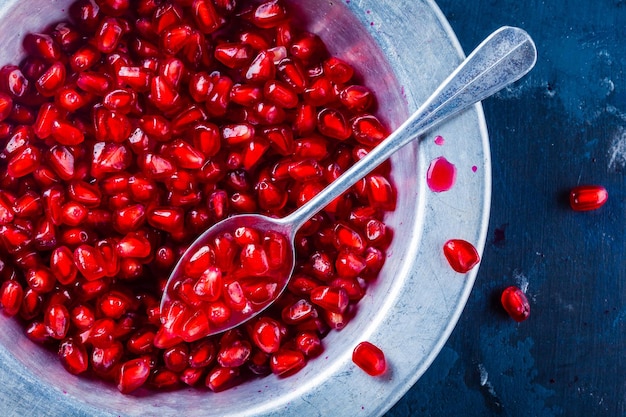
(241, 265)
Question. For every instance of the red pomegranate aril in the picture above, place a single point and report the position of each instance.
(11, 295)
(6, 104)
(51, 80)
(93, 82)
(337, 70)
(332, 123)
(234, 354)
(309, 343)
(57, 319)
(320, 92)
(301, 309)
(41, 280)
(137, 78)
(42, 45)
(73, 356)
(141, 342)
(515, 303)
(369, 358)
(133, 374)
(24, 162)
(287, 361)
(330, 298)
(82, 317)
(261, 68)
(380, 193)
(108, 35)
(219, 97)
(13, 81)
(461, 255)
(221, 378)
(270, 14)
(266, 334)
(233, 54)
(66, 133)
(280, 94)
(176, 358)
(206, 16)
(105, 360)
(89, 262)
(28, 205)
(588, 197)
(368, 131)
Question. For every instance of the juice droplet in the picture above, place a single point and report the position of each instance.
(461, 255)
(441, 175)
(474, 168)
(439, 140)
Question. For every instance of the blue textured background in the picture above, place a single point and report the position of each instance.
(563, 125)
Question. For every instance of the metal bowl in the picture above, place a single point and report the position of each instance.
(403, 49)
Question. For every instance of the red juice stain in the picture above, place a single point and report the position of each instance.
(461, 255)
(474, 168)
(439, 140)
(441, 175)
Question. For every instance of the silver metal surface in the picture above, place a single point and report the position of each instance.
(403, 49)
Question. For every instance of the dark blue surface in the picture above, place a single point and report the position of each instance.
(563, 125)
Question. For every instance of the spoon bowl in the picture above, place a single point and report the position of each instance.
(501, 59)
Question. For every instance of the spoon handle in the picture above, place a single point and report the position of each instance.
(501, 59)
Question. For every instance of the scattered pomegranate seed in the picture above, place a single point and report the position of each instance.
(461, 255)
(588, 197)
(369, 358)
(515, 303)
(133, 129)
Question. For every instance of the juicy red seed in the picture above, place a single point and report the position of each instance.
(206, 16)
(57, 319)
(330, 298)
(461, 255)
(515, 303)
(368, 130)
(234, 55)
(11, 294)
(270, 14)
(369, 358)
(588, 197)
(266, 335)
(133, 374)
(221, 378)
(333, 124)
(73, 356)
(287, 361)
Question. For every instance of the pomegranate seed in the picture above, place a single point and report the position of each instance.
(266, 335)
(133, 374)
(330, 298)
(57, 320)
(206, 16)
(221, 378)
(11, 295)
(105, 360)
(73, 356)
(515, 303)
(369, 358)
(588, 197)
(287, 362)
(461, 255)
(309, 343)
(234, 55)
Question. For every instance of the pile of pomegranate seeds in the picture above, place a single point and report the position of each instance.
(131, 128)
(234, 276)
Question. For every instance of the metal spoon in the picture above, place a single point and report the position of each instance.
(501, 59)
